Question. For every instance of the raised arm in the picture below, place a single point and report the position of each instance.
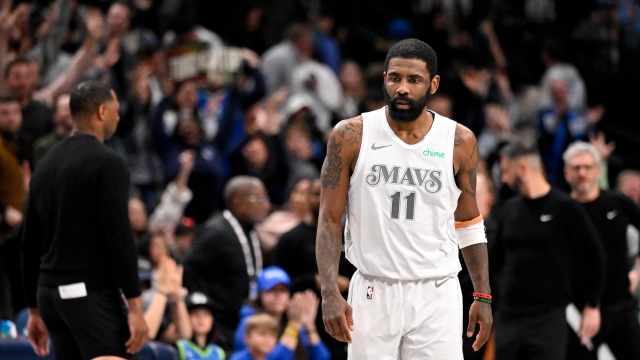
(470, 231)
(342, 152)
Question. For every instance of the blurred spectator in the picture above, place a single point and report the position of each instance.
(304, 143)
(293, 212)
(322, 87)
(274, 298)
(12, 198)
(296, 251)
(135, 130)
(37, 117)
(177, 128)
(62, 127)
(629, 184)
(234, 113)
(262, 156)
(165, 312)
(261, 336)
(442, 104)
(354, 87)
(558, 126)
(226, 255)
(496, 131)
(175, 197)
(138, 219)
(12, 188)
(557, 69)
(184, 234)
(201, 345)
(325, 44)
(279, 60)
(469, 92)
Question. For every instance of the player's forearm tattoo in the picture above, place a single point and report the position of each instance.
(330, 174)
(328, 248)
(477, 260)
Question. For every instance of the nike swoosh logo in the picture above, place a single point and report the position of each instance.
(374, 147)
(612, 214)
(439, 282)
(545, 218)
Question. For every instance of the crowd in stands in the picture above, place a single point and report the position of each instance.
(224, 117)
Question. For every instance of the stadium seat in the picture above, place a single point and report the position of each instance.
(158, 351)
(18, 349)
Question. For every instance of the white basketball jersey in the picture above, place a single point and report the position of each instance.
(402, 197)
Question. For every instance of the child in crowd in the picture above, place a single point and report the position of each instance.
(298, 312)
(201, 345)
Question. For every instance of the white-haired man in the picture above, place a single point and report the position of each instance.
(611, 213)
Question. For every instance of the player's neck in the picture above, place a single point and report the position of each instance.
(586, 196)
(423, 122)
(535, 186)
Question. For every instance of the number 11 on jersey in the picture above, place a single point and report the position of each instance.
(395, 205)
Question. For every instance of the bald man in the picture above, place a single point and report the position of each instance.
(226, 255)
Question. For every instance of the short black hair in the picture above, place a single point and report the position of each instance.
(413, 49)
(517, 149)
(87, 97)
(20, 60)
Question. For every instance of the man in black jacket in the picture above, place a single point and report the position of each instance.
(611, 213)
(78, 252)
(226, 255)
(544, 245)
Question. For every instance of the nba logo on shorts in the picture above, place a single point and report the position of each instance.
(370, 293)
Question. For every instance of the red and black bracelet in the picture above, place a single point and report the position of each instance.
(482, 297)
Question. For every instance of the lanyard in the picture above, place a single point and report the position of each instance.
(252, 268)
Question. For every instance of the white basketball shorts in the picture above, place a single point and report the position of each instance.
(405, 319)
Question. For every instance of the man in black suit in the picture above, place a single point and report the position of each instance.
(226, 255)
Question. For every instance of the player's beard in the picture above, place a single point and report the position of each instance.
(416, 107)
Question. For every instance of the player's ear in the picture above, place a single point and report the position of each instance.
(435, 83)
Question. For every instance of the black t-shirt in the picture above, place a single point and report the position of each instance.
(77, 224)
(545, 249)
(612, 213)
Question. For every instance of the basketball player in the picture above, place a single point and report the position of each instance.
(406, 177)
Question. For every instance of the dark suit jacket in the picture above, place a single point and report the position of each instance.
(216, 266)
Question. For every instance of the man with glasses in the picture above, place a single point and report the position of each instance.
(226, 254)
(611, 213)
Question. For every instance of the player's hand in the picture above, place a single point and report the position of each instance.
(37, 333)
(337, 316)
(590, 325)
(138, 330)
(480, 314)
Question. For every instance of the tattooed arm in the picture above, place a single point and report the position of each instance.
(342, 152)
(475, 256)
